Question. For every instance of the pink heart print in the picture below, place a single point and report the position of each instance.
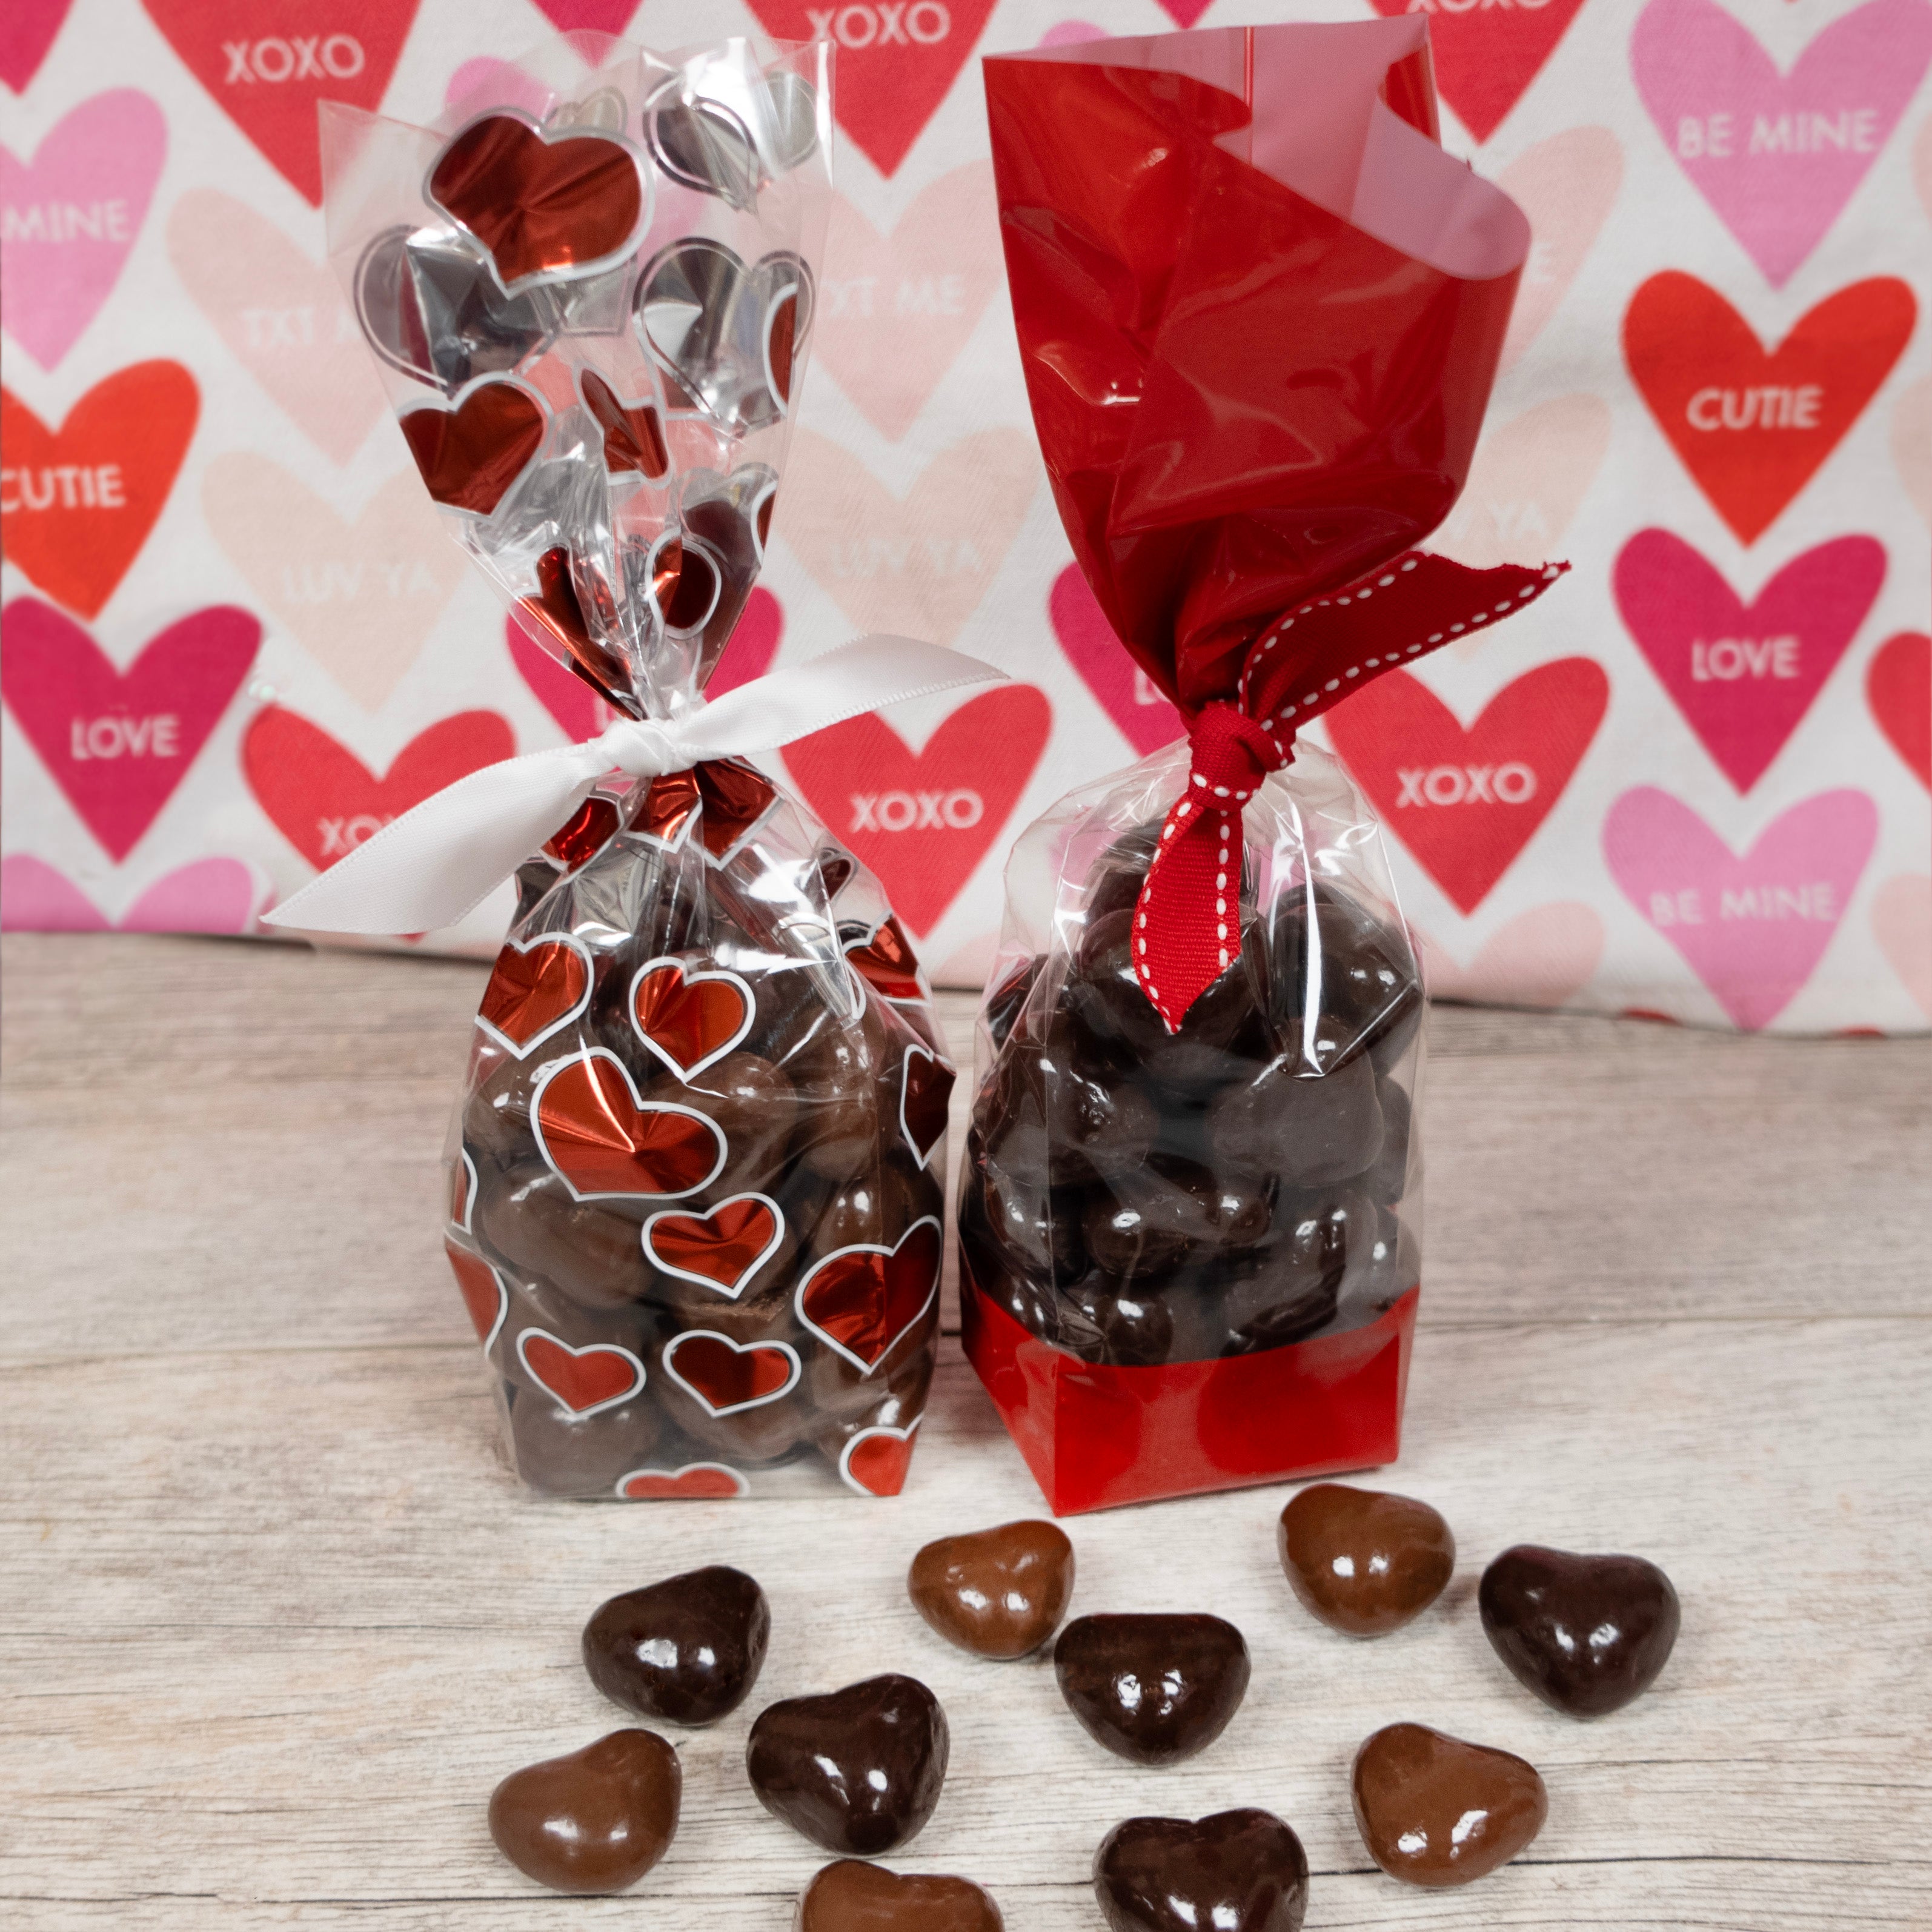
(1745, 674)
(1902, 924)
(1752, 926)
(1777, 156)
(1544, 957)
(211, 895)
(1566, 185)
(1126, 693)
(118, 743)
(69, 216)
(27, 30)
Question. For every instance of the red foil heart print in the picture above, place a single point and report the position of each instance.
(633, 435)
(538, 988)
(597, 1376)
(603, 1140)
(861, 1300)
(925, 1085)
(470, 455)
(696, 1482)
(723, 1248)
(539, 205)
(886, 962)
(727, 1376)
(876, 1461)
(689, 1020)
(483, 1292)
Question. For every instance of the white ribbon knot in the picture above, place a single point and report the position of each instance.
(437, 862)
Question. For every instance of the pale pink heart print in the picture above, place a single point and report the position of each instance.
(282, 315)
(1752, 926)
(1777, 156)
(69, 216)
(1566, 186)
(497, 83)
(1544, 957)
(1902, 924)
(895, 310)
(1126, 693)
(1911, 444)
(1529, 476)
(211, 895)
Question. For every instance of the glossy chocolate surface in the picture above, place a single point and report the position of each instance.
(1153, 1689)
(1586, 1633)
(858, 1771)
(685, 1650)
(852, 1896)
(1433, 1810)
(1236, 1871)
(1363, 1561)
(998, 1593)
(594, 1820)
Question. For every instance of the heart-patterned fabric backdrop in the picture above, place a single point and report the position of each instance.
(1692, 782)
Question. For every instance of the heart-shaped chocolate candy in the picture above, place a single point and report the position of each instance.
(593, 1820)
(1586, 1633)
(858, 1771)
(854, 1897)
(728, 337)
(686, 1651)
(1153, 1689)
(998, 1593)
(1238, 1871)
(1363, 1561)
(1433, 1810)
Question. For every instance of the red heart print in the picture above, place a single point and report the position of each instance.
(696, 1482)
(597, 1376)
(586, 832)
(633, 433)
(886, 963)
(753, 645)
(1486, 57)
(538, 204)
(875, 1462)
(1745, 674)
(1466, 803)
(925, 1085)
(27, 30)
(726, 1376)
(462, 1189)
(689, 1020)
(1898, 687)
(483, 1292)
(923, 820)
(325, 802)
(470, 454)
(538, 987)
(601, 16)
(580, 712)
(1751, 426)
(118, 743)
(80, 500)
(895, 64)
(267, 63)
(721, 1249)
(1126, 693)
(860, 1300)
(599, 1136)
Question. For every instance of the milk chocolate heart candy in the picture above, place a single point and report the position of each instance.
(1363, 1561)
(858, 1771)
(472, 453)
(527, 1215)
(860, 1301)
(690, 1018)
(1153, 1689)
(594, 1820)
(541, 203)
(727, 337)
(558, 1454)
(1237, 1871)
(685, 1650)
(852, 1896)
(594, 1129)
(724, 1248)
(1586, 1633)
(1435, 1811)
(537, 987)
(998, 1593)
(754, 1108)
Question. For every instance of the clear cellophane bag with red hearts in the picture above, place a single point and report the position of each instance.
(1259, 311)
(694, 1206)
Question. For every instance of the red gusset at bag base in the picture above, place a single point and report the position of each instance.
(1259, 311)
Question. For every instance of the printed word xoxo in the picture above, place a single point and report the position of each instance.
(1477, 6)
(1714, 137)
(1730, 658)
(65, 486)
(338, 58)
(1512, 784)
(1817, 904)
(928, 294)
(344, 835)
(905, 811)
(102, 738)
(924, 23)
(1772, 406)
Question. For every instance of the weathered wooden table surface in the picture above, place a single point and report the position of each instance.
(273, 1618)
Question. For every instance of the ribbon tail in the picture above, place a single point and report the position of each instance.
(441, 858)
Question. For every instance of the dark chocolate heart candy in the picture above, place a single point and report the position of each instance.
(998, 1593)
(1586, 1633)
(1130, 1325)
(594, 1820)
(1363, 1561)
(1434, 1810)
(854, 1897)
(1237, 1871)
(1309, 1128)
(858, 1771)
(686, 1650)
(1332, 958)
(1153, 1689)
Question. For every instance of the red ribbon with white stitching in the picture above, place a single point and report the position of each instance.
(1187, 923)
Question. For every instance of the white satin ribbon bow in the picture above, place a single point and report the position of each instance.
(442, 858)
